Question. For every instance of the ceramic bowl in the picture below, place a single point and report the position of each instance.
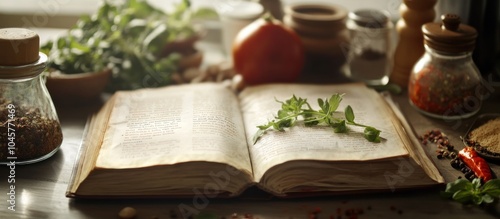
(77, 88)
(191, 57)
(193, 60)
(493, 156)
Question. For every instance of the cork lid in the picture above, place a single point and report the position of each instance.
(450, 35)
(19, 46)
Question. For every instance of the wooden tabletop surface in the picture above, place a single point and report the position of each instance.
(40, 188)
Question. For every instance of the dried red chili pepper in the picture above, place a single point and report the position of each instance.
(476, 163)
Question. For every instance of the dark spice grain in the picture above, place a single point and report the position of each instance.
(35, 134)
(444, 148)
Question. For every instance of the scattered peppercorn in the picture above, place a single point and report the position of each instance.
(468, 175)
(444, 148)
(127, 213)
(447, 150)
(455, 163)
(453, 155)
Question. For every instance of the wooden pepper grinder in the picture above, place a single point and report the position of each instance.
(410, 46)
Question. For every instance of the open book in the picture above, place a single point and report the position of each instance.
(184, 140)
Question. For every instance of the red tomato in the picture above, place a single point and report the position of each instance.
(266, 51)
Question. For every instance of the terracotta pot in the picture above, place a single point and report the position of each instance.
(193, 60)
(183, 46)
(74, 88)
(321, 27)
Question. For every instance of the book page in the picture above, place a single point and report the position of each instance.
(317, 143)
(175, 124)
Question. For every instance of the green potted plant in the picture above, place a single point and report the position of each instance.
(122, 47)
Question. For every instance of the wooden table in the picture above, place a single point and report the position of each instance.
(40, 188)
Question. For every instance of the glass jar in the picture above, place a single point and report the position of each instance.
(445, 82)
(369, 58)
(30, 129)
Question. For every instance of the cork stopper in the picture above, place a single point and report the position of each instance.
(18, 47)
(450, 35)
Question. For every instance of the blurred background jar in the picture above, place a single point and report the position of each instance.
(235, 15)
(322, 30)
(484, 16)
(445, 83)
(369, 57)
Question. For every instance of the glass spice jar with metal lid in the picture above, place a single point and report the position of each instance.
(445, 83)
(29, 126)
(369, 58)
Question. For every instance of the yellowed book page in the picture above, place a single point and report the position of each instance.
(317, 143)
(175, 124)
(87, 156)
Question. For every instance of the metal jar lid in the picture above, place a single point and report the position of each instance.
(369, 18)
(450, 35)
(20, 56)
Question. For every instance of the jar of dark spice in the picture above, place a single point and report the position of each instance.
(369, 57)
(29, 127)
(445, 82)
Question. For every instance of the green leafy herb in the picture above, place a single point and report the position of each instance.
(127, 37)
(295, 108)
(467, 192)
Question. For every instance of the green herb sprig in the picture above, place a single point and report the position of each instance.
(127, 37)
(296, 107)
(467, 192)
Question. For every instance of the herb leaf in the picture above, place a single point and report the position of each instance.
(334, 102)
(295, 108)
(487, 199)
(372, 134)
(259, 133)
(460, 184)
(463, 196)
(467, 192)
(492, 188)
(349, 114)
(339, 127)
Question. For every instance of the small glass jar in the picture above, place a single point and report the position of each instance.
(445, 82)
(30, 129)
(370, 51)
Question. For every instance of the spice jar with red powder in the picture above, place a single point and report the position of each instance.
(445, 82)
